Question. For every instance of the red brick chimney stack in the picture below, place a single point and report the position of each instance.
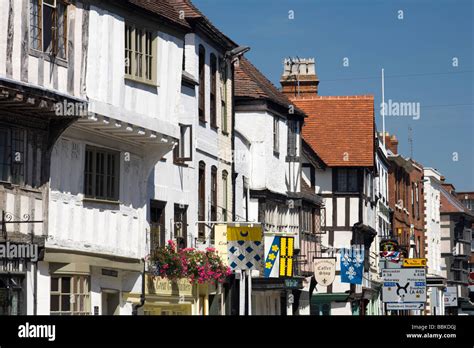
(391, 142)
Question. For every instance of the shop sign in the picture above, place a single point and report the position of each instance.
(220, 242)
(324, 270)
(414, 263)
(291, 284)
(165, 287)
(404, 285)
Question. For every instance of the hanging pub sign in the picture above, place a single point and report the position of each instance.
(324, 270)
(244, 247)
(278, 257)
(352, 264)
(388, 245)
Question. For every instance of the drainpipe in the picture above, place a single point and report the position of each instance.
(142, 295)
(234, 174)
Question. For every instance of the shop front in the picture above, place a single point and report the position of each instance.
(12, 287)
(167, 297)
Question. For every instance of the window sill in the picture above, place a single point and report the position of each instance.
(180, 164)
(100, 201)
(214, 127)
(202, 123)
(226, 133)
(143, 82)
(48, 57)
(276, 153)
(23, 187)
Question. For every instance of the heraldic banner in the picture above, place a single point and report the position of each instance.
(278, 257)
(352, 264)
(245, 247)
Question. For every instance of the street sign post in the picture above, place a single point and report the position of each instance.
(414, 263)
(405, 306)
(404, 286)
(451, 296)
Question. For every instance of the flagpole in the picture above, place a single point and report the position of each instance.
(250, 293)
(383, 108)
(242, 293)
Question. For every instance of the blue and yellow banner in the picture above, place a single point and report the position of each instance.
(278, 257)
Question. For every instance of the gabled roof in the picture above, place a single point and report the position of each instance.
(450, 204)
(164, 9)
(196, 18)
(250, 83)
(340, 129)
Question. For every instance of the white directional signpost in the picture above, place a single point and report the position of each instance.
(404, 288)
(451, 296)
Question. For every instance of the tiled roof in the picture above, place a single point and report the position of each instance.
(162, 8)
(450, 204)
(340, 129)
(193, 15)
(251, 83)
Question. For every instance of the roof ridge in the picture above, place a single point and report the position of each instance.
(266, 87)
(334, 97)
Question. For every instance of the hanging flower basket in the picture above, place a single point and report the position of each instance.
(195, 265)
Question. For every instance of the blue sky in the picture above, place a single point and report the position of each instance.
(422, 45)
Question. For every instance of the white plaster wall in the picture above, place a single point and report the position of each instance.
(73, 12)
(43, 289)
(323, 180)
(95, 227)
(143, 101)
(353, 211)
(29, 287)
(267, 170)
(432, 220)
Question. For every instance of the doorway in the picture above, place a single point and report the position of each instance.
(110, 302)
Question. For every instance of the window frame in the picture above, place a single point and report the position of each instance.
(213, 91)
(201, 199)
(225, 195)
(179, 154)
(157, 224)
(276, 135)
(202, 84)
(350, 173)
(36, 21)
(28, 147)
(85, 294)
(148, 50)
(181, 216)
(213, 188)
(223, 79)
(292, 150)
(93, 172)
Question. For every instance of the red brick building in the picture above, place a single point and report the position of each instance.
(406, 200)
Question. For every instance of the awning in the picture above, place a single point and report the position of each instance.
(66, 256)
(330, 297)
